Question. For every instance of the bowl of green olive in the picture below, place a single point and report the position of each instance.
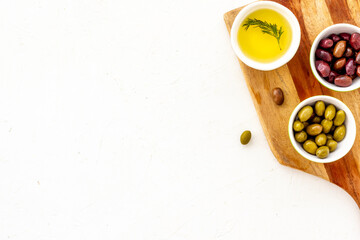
(322, 129)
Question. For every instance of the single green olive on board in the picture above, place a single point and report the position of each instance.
(332, 144)
(245, 137)
(319, 108)
(320, 139)
(298, 126)
(305, 113)
(330, 112)
(301, 136)
(310, 146)
(314, 129)
(322, 152)
(326, 124)
(339, 133)
(339, 118)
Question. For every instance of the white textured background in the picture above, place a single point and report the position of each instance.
(121, 120)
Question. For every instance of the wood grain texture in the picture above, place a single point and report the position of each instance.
(298, 83)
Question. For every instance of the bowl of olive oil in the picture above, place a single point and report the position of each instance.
(265, 35)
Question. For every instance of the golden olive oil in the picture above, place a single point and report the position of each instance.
(260, 46)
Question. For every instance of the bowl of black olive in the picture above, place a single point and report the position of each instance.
(335, 57)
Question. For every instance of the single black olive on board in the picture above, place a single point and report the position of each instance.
(278, 96)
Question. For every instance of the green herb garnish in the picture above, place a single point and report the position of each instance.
(265, 27)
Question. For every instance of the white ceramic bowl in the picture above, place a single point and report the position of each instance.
(336, 29)
(289, 16)
(343, 147)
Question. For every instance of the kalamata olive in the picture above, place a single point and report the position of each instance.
(335, 38)
(278, 96)
(332, 76)
(355, 41)
(353, 76)
(323, 55)
(358, 70)
(326, 43)
(343, 81)
(323, 68)
(339, 48)
(348, 52)
(339, 64)
(345, 36)
(357, 58)
(350, 67)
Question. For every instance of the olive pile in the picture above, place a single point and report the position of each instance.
(338, 58)
(319, 128)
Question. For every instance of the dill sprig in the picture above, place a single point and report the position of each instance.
(266, 28)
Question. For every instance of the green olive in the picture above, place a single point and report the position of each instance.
(320, 139)
(311, 117)
(245, 137)
(316, 119)
(330, 112)
(300, 136)
(332, 128)
(306, 124)
(319, 108)
(326, 124)
(305, 113)
(332, 144)
(310, 146)
(339, 133)
(314, 129)
(339, 118)
(322, 152)
(298, 126)
(329, 137)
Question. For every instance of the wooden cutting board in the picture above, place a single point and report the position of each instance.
(298, 83)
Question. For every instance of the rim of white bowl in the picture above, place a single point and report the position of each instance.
(335, 28)
(285, 12)
(343, 147)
